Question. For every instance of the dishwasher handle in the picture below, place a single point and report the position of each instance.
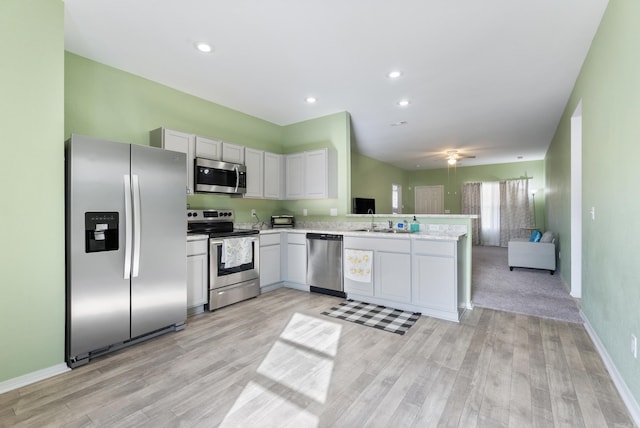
(324, 236)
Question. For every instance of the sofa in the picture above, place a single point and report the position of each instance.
(535, 255)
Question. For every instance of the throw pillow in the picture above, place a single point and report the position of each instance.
(547, 237)
(535, 236)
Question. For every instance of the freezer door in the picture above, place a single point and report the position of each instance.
(97, 290)
(159, 266)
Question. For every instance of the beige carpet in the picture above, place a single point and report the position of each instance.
(525, 291)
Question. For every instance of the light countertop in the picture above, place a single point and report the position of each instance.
(426, 235)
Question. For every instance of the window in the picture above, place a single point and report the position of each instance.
(396, 199)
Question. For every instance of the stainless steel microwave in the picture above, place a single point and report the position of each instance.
(219, 177)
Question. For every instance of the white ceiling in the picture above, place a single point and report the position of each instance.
(488, 78)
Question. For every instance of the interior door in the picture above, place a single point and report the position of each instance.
(429, 199)
(159, 291)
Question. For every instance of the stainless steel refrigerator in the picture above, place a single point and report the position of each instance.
(125, 245)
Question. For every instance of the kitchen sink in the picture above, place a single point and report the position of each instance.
(382, 230)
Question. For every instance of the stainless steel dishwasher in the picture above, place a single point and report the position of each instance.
(324, 264)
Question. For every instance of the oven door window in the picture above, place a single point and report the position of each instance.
(223, 271)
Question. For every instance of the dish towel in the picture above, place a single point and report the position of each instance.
(236, 252)
(357, 265)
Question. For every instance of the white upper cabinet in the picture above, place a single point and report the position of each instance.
(312, 175)
(232, 153)
(208, 148)
(177, 141)
(254, 161)
(273, 176)
(294, 173)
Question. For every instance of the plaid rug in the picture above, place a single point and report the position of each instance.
(387, 319)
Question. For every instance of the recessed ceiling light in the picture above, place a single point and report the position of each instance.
(203, 47)
(519, 157)
(404, 103)
(394, 74)
(311, 100)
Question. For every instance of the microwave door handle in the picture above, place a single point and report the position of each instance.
(236, 169)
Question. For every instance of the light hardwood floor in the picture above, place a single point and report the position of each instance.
(275, 361)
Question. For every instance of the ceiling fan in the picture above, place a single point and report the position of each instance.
(453, 156)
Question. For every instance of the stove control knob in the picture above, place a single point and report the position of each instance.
(195, 214)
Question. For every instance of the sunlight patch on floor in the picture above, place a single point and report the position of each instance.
(295, 373)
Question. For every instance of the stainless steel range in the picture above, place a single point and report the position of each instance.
(234, 257)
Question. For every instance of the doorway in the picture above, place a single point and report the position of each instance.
(429, 199)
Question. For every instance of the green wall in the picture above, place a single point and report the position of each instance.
(333, 131)
(371, 178)
(609, 87)
(104, 102)
(32, 211)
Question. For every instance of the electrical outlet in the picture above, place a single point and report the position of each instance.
(634, 346)
(304, 211)
(253, 213)
(593, 213)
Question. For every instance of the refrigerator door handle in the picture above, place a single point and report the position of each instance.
(136, 226)
(127, 226)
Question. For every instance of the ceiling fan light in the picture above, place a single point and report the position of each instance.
(451, 161)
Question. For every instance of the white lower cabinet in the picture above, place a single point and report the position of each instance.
(391, 269)
(392, 278)
(410, 274)
(435, 277)
(270, 260)
(296, 259)
(197, 273)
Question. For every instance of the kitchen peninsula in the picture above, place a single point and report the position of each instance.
(427, 271)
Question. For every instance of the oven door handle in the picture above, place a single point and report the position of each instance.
(216, 241)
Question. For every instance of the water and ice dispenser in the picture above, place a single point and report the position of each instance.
(101, 231)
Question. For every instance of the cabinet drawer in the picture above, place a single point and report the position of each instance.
(296, 238)
(197, 247)
(269, 239)
(393, 245)
(436, 248)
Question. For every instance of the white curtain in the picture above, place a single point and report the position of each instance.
(490, 234)
(471, 204)
(515, 211)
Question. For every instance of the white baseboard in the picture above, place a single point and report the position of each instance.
(296, 286)
(623, 390)
(271, 287)
(33, 377)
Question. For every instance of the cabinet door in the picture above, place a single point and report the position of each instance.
(392, 279)
(269, 265)
(315, 171)
(273, 174)
(297, 263)
(183, 143)
(232, 153)
(208, 148)
(294, 167)
(196, 280)
(434, 282)
(254, 163)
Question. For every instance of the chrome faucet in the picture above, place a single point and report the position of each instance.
(370, 211)
(390, 224)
